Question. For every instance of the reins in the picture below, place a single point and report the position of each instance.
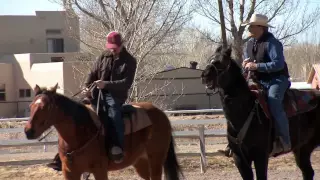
(69, 154)
(238, 140)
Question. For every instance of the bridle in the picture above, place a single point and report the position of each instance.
(241, 134)
(219, 73)
(52, 107)
(90, 87)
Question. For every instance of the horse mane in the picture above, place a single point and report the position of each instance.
(78, 111)
(236, 71)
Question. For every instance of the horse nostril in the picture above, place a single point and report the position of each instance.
(29, 133)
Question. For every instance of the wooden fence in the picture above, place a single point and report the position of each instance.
(201, 134)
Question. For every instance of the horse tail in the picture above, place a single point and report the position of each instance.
(171, 166)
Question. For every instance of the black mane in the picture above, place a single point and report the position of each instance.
(78, 111)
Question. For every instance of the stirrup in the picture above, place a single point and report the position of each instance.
(116, 154)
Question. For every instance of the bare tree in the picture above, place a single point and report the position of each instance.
(290, 17)
(149, 28)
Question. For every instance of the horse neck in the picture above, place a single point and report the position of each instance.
(237, 101)
(74, 135)
(74, 125)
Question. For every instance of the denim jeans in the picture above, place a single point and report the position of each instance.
(115, 121)
(276, 90)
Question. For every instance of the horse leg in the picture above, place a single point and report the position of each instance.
(302, 157)
(71, 175)
(155, 165)
(142, 168)
(261, 160)
(100, 174)
(243, 166)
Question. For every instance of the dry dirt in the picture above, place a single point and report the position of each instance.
(219, 167)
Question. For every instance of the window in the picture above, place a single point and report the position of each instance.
(55, 45)
(2, 92)
(23, 93)
(57, 59)
(53, 31)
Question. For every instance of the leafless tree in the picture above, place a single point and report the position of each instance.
(149, 28)
(290, 17)
(300, 58)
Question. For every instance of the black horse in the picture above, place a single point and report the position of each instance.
(249, 124)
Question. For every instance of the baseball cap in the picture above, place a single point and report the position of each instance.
(114, 40)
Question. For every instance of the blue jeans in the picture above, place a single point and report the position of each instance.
(115, 121)
(276, 91)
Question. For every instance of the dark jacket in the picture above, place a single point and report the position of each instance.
(268, 52)
(119, 76)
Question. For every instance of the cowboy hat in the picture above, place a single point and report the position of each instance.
(257, 19)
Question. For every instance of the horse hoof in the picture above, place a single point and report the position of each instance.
(227, 153)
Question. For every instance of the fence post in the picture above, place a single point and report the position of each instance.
(44, 146)
(203, 159)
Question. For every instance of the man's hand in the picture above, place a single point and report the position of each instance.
(245, 62)
(100, 84)
(86, 92)
(251, 66)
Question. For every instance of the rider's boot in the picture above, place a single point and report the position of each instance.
(56, 163)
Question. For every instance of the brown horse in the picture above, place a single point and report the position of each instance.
(149, 145)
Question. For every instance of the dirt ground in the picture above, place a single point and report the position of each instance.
(219, 167)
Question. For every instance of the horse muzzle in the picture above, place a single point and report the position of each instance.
(30, 133)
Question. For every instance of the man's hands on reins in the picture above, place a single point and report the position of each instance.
(100, 85)
(86, 92)
(249, 66)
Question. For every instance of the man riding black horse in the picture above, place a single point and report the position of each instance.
(263, 55)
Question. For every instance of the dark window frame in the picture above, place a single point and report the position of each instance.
(58, 45)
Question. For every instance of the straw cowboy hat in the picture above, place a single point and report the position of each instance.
(257, 19)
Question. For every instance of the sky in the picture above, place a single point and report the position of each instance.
(28, 7)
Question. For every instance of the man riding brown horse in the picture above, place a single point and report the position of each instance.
(113, 73)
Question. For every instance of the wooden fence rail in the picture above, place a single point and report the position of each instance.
(201, 134)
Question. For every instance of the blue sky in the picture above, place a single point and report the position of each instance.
(27, 7)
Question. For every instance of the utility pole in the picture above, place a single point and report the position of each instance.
(223, 25)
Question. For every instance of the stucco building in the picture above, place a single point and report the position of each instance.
(40, 49)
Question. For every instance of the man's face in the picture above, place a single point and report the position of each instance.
(115, 51)
(255, 30)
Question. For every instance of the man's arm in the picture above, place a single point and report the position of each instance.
(93, 73)
(275, 52)
(127, 81)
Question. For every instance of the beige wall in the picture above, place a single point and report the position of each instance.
(27, 34)
(21, 72)
(7, 109)
(47, 74)
(24, 71)
(24, 64)
(46, 57)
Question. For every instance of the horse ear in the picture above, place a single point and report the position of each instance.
(228, 51)
(219, 49)
(36, 89)
(54, 88)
